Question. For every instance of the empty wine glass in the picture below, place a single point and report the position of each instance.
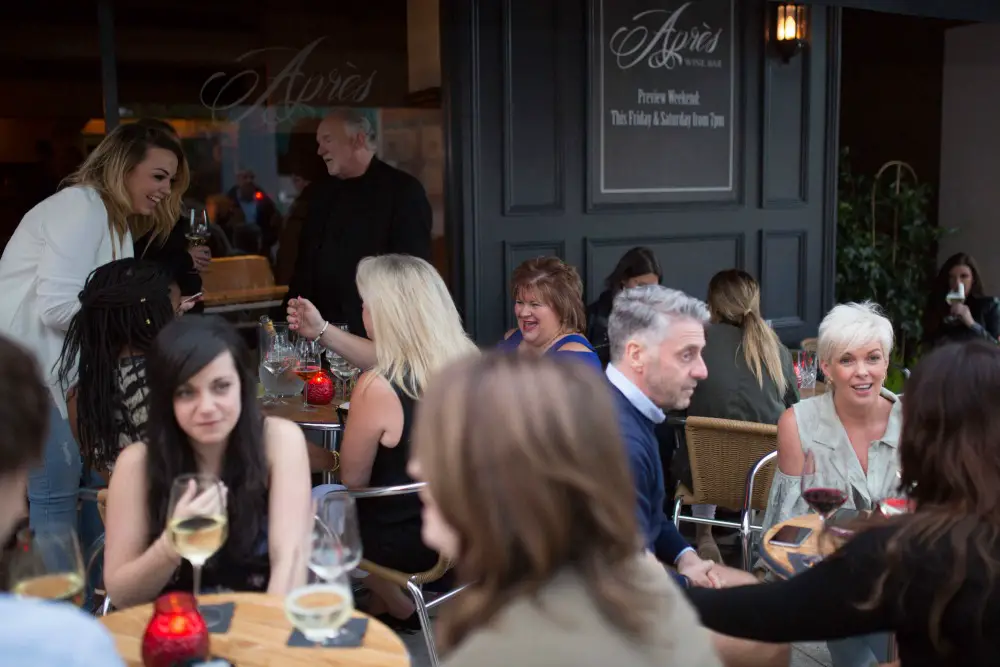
(824, 483)
(197, 523)
(337, 511)
(47, 564)
(277, 356)
(307, 366)
(341, 368)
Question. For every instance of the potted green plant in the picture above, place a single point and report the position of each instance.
(886, 250)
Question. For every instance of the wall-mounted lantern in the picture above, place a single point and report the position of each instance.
(789, 30)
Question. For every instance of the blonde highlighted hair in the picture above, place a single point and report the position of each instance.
(108, 166)
(734, 298)
(525, 463)
(417, 328)
(849, 326)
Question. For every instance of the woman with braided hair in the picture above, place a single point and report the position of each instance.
(123, 305)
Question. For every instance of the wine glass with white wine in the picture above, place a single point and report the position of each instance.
(198, 524)
(47, 564)
(321, 606)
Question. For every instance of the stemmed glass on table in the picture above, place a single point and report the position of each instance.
(307, 366)
(824, 484)
(320, 608)
(197, 523)
(341, 368)
(277, 356)
(48, 564)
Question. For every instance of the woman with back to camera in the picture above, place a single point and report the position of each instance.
(929, 577)
(130, 184)
(750, 373)
(415, 329)
(204, 418)
(636, 267)
(123, 306)
(530, 493)
(976, 317)
(548, 304)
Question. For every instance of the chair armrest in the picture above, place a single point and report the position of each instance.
(385, 491)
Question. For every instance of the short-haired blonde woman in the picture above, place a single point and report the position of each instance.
(410, 317)
(130, 184)
(856, 421)
(529, 491)
(551, 319)
(750, 373)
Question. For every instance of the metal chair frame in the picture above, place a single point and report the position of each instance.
(413, 583)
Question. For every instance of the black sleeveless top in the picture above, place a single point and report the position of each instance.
(389, 469)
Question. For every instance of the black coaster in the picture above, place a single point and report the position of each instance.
(802, 562)
(352, 635)
(218, 617)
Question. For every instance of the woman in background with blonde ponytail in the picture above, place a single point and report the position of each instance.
(750, 373)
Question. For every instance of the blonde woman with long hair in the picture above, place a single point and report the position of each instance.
(529, 491)
(750, 373)
(130, 184)
(414, 330)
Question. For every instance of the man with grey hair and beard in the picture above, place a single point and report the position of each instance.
(656, 336)
(366, 208)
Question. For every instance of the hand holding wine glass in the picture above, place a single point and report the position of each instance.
(824, 485)
(198, 523)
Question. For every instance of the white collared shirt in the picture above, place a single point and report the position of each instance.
(635, 396)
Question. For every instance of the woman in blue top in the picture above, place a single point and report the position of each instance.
(548, 303)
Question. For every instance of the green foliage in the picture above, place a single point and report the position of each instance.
(896, 267)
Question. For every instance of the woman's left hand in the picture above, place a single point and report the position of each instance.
(962, 312)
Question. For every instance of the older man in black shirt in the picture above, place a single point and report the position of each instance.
(366, 208)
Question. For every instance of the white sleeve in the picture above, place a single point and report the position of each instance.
(72, 233)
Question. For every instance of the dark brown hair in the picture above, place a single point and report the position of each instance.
(557, 285)
(24, 408)
(638, 261)
(951, 470)
(936, 308)
(534, 482)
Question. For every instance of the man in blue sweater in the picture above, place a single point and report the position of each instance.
(656, 336)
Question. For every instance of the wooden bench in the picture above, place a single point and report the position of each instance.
(240, 283)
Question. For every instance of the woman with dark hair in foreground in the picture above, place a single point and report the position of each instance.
(204, 418)
(929, 577)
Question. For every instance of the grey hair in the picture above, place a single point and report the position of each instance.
(646, 312)
(356, 123)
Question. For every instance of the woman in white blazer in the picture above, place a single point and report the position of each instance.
(130, 184)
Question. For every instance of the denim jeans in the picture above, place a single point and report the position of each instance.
(863, 651)
(54, 486)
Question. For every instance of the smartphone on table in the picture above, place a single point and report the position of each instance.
(790, 536)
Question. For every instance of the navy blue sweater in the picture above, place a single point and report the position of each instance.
(662, 537)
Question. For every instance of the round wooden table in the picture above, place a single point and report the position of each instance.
(325, 419)
(817, 544)
(258, 637)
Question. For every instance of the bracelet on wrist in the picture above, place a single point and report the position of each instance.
(336, 461)
(321, 331)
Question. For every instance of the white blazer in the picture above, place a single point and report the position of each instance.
(43, 268)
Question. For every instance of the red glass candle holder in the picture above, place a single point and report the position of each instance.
(320, 389)
(176, 633)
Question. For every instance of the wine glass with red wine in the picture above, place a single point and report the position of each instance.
(824, 485)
